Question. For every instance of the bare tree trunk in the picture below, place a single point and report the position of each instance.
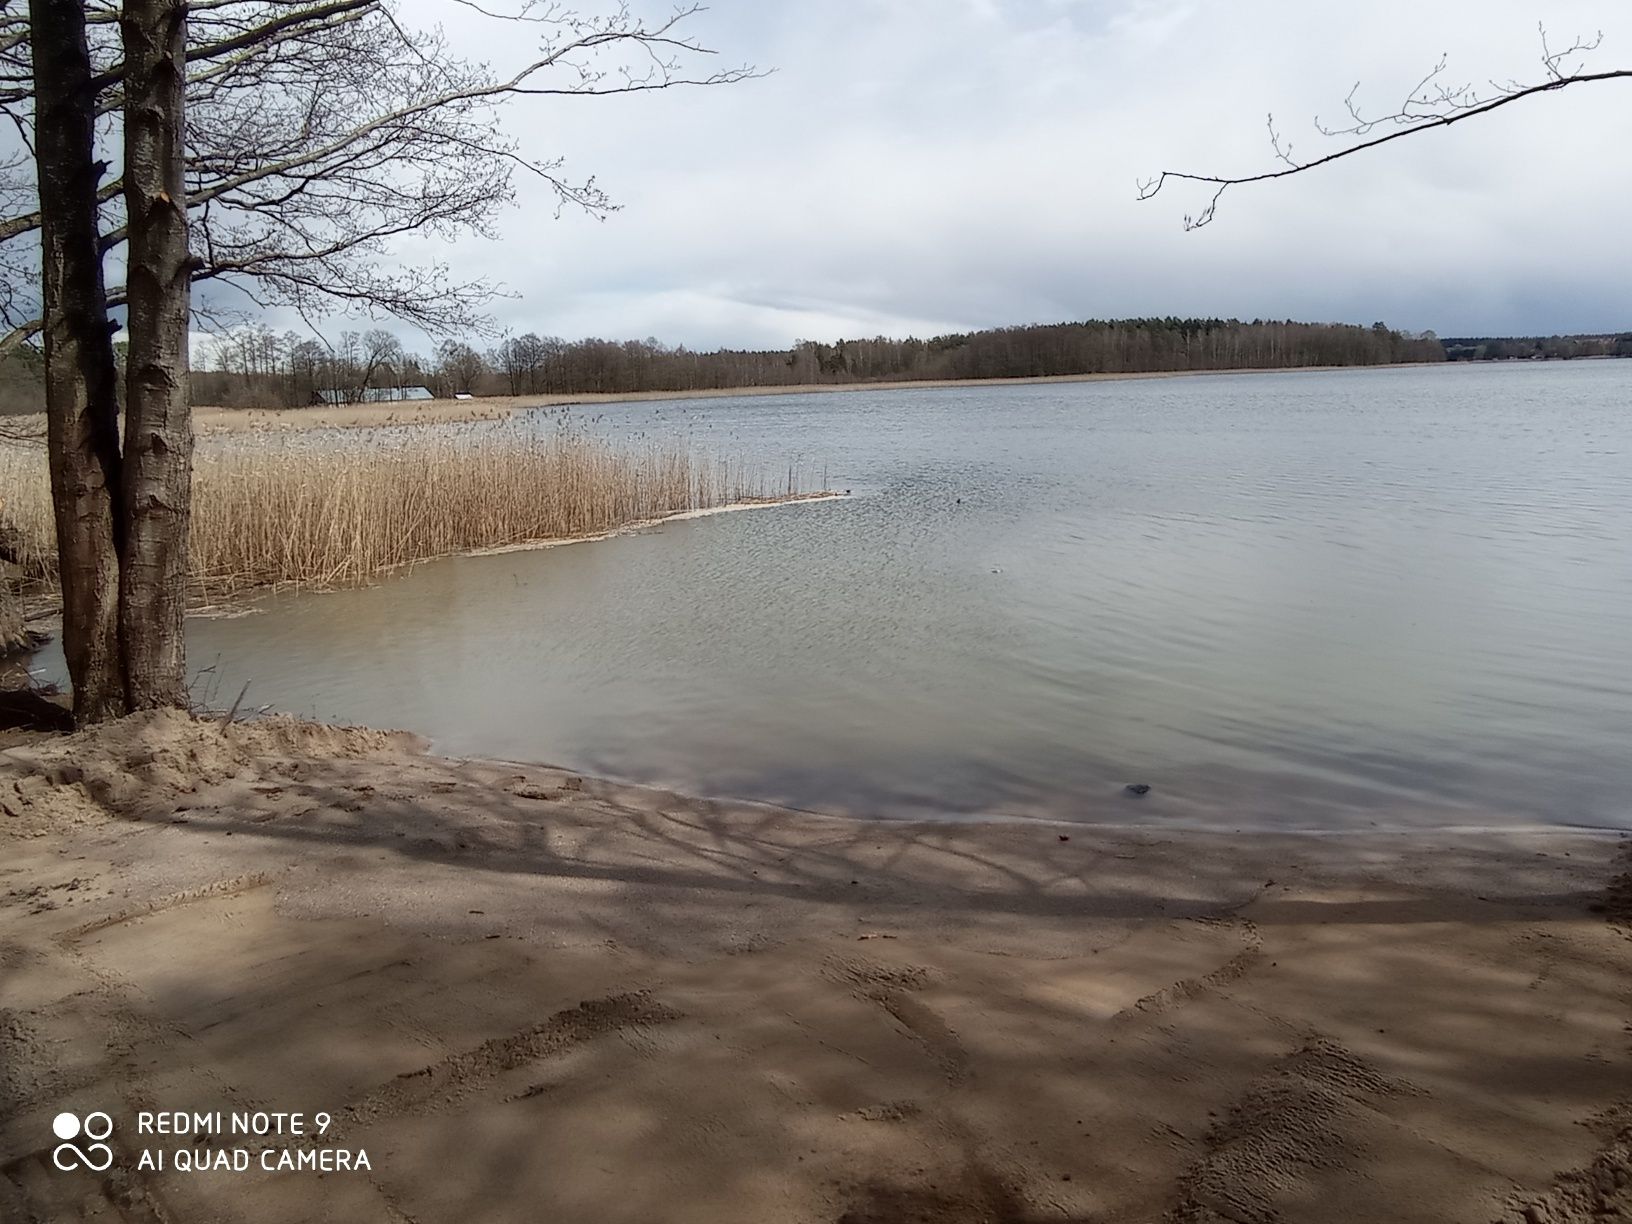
(80, 381)
(158, 420)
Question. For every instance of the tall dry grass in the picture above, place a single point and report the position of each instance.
(13, 635)
(318, 510)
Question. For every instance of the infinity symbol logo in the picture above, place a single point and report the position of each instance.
(95, 1155)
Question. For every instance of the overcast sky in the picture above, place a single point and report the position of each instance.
(915, 166)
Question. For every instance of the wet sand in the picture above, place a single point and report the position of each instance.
(497, 407)
(530, 996)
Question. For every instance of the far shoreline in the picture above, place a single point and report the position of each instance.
(498, 407)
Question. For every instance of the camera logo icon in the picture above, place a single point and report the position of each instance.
(89, 1152)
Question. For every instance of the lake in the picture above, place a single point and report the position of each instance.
(1321, 600)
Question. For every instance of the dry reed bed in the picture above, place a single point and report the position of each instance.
(319, 512)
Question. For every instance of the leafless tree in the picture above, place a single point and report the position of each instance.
(461, 367)
(155, 489)
(81, 397)
(1433, 104)
(281, 146)
(523, 360)
(319, 133)
(380, 353)
(507, 359)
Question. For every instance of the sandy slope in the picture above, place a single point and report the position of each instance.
(531, 997)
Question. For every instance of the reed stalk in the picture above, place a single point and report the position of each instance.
(323, 510)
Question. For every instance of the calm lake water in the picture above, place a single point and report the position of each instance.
(1309, 600)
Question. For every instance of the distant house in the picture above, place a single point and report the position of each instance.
(372, 395)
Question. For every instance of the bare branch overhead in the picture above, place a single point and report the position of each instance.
(322, 132)
(1430, 105)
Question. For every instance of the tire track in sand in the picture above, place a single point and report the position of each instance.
(458, 1076)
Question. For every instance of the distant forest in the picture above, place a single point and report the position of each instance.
(257, 367)
(1531, 348)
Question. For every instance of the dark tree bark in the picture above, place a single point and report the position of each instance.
(158, 452)
(80, 376)
(322, 131)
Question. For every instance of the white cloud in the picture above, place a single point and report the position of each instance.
(923, 164)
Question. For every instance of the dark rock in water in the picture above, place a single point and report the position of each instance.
(1137, 788)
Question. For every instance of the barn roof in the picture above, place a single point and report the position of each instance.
(375, 395)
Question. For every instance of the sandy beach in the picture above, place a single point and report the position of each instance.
(530, 996)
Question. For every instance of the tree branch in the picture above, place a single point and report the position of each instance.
(1428, 107)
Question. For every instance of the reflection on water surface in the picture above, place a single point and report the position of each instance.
(1302, 600)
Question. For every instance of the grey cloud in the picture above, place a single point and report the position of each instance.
(916, 165)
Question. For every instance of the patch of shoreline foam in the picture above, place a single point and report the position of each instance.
(770, 503)
(234, 608)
